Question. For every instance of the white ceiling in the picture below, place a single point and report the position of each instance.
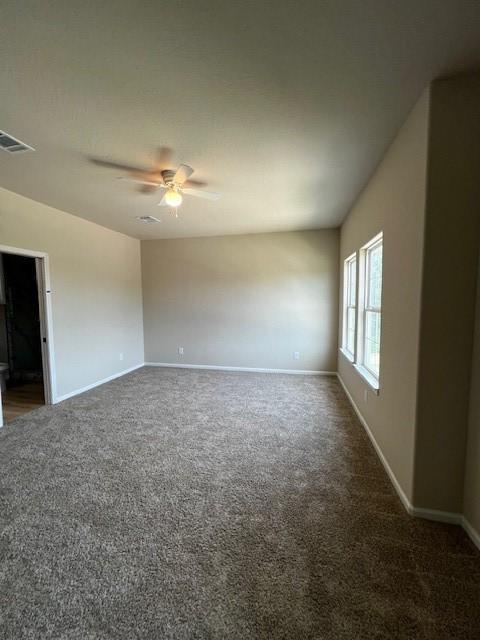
(284, 107)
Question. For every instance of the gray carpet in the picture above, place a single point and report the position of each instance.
(192, 504)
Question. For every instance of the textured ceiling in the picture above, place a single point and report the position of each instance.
(284, 107)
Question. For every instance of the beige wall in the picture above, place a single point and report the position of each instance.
(425, 197)
(471, 504)
(394, 202)
(449, 280)
(96, 289)
(244, 301)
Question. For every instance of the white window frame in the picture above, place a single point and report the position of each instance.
(347, 304)
(363, 308)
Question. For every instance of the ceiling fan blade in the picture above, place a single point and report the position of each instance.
(116, 165)
(150, 183)
(194, 183)
(182, 174)
(208, 195)
(148, 188)
(164, 159)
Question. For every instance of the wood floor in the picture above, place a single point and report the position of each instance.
(22, 399)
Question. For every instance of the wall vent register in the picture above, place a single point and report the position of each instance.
(148, 219)
(13, 145)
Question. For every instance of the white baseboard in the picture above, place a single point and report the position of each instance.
(418, 512)
(450, 517)
(401, 494)
(70, 394)
(472, 532)
(214, 367)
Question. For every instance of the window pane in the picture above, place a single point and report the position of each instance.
(352, 282)
(351, 329)
(375, 277)
(350, 293)
(372, 341)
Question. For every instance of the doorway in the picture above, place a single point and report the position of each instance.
(24, 371)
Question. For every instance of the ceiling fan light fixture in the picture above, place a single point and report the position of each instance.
(173, 198)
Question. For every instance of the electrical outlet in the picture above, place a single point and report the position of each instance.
(120, 356)
(296, 355)
(180, 351)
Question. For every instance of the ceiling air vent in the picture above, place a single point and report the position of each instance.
(148, 219)
(12, 145)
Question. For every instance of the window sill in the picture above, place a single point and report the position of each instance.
(366, 375)
(346, 355)
(369, 379)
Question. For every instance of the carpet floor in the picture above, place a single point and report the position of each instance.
(180, 504)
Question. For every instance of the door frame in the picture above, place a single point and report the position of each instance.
(42, 267)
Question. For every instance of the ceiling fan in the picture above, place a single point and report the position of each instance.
(174, 183)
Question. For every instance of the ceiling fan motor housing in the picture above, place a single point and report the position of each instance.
(168, 175)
